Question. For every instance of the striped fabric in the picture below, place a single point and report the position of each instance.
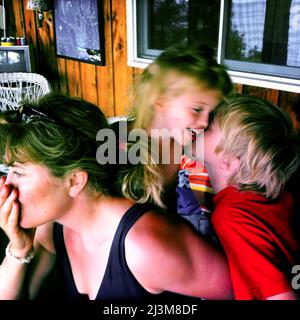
(194, 192)
(197, 175)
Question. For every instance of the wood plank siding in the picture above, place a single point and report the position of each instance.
(106, 86)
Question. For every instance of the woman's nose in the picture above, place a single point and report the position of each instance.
(9, 179)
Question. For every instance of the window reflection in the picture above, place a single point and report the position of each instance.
(245, 40)
(163, 23)
(293, 58)
(265, 31)
(12, 61)
(10, 57)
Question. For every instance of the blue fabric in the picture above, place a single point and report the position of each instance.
(189, 208)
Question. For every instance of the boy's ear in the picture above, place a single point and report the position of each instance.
(229, 163)
(77, 180)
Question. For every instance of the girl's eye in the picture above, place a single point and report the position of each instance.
(197, 109)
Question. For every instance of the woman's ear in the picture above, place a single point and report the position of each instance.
(77, 180)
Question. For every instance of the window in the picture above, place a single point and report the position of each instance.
(167, 22)
(258, 40)
(15, 59)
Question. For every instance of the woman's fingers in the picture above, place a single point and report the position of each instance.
(6, 207)
(18, 237)
(21, 239)
(2, 181)
(4, 193)
(13, 218)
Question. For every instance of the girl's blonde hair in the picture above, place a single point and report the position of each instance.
(196, 66)
(262, 137)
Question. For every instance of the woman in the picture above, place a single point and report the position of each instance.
(60, 201)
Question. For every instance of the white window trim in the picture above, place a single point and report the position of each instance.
(252, 79)
(132, 59)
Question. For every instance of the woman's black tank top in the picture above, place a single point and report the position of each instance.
(118, 282)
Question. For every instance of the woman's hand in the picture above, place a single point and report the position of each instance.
(21, 239)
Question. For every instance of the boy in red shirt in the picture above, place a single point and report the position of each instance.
(250, 152)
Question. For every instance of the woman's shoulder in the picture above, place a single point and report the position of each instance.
(162, 252)
(157, 235)
(156, 223)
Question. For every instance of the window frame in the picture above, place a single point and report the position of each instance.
(240, 77)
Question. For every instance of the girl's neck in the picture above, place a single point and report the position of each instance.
(169, 160)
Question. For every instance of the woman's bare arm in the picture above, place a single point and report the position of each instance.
(172, 257)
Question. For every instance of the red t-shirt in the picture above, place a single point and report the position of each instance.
(257, 236)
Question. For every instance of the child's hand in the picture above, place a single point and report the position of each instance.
(21, 239)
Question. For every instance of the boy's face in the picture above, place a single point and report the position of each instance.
(212, 137)
(220, 166)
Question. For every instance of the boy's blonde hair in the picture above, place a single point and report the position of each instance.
(262, 137)
(175, 71)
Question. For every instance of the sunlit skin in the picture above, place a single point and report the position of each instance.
(184, 116)
(186, 112)
(37, 188)
(218, 168)
(33, 197)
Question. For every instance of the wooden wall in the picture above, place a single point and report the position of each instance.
(106, 86)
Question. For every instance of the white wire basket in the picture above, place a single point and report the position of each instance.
(16, 86)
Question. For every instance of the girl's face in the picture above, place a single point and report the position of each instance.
(188, 113)
(42, 196)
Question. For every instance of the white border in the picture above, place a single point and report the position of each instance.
(252, 79)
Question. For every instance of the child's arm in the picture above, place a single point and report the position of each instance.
(289, 295)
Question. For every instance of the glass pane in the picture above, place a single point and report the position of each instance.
(264, 31)
(12, 61)
(162, 23)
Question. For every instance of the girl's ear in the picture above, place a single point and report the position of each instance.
(159, 104)
(77, 180)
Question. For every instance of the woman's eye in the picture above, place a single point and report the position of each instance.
(18, 174)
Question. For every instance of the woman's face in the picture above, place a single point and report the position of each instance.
(42, 196)
(188, 113)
